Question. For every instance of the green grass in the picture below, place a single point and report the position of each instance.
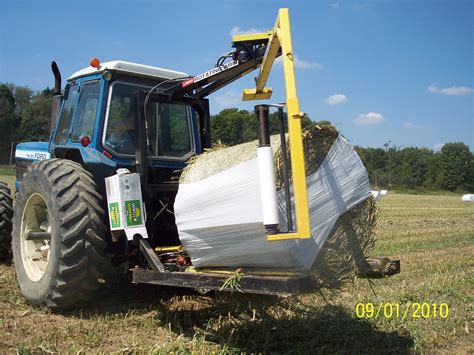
(7, 170)
(7, 175)
(431, 235)
(9, 178)
(424, 191)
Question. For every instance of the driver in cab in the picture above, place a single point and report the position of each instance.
(120, 134)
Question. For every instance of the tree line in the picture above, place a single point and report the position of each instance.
(452, 168)
(25, 116)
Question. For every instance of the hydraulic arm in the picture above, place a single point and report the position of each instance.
(251, 52)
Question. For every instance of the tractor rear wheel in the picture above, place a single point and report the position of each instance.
(58, 235)
(6, 216)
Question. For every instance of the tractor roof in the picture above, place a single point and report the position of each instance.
(129, 68)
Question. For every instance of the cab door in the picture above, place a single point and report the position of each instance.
(79, 114)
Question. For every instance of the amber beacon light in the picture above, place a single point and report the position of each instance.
(95, 63)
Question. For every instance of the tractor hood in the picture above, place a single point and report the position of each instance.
(32, 151)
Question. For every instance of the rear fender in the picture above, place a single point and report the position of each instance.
(99, 165)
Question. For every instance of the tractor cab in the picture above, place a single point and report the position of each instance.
(117, 115)
(101, 110)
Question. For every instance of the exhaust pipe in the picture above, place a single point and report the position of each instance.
(57, 78)
(57, 99)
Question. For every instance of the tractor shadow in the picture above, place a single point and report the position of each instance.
(249, 323)
(267, 324)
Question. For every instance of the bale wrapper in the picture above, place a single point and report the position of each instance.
(219, 214)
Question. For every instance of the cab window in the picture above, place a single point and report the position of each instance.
(120, 134)
(172, 131)
(169, 133)
(86, 111)
(64, 124)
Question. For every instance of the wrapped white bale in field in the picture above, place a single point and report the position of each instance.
(377, 195)
(468, 198)
(219, 215)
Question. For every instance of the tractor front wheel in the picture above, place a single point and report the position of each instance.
(58, 235)
(6, 216)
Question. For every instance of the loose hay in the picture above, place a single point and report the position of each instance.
(348, 245)
(353, 235)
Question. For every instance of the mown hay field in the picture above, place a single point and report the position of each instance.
(432, 236)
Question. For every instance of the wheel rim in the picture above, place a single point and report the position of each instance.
(35, 237)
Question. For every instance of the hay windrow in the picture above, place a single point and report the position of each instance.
(353, 235)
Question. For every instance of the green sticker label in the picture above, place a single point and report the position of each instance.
(134, 212)
(114, 215)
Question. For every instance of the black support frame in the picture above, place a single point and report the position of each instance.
(200, 105)
(267, 285)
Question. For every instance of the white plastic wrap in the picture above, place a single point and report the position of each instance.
(219, 218)
(468, 198)
(268, 193)
(377, 195)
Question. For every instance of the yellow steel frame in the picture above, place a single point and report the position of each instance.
(280, 37)
(252, 36)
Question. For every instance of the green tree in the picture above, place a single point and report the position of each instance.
(376, 163)
(23, 96)
(233, 126)
(455, 166)
(36, 118)
(411, 167)
(227, 127)
(9, 121)
(470, 175)
(274, 122)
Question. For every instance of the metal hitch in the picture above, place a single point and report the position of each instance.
(378, 268)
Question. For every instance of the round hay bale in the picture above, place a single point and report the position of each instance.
(353, 235)
(348, 245)
(317, 141)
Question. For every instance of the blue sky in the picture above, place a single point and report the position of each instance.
(380, 70)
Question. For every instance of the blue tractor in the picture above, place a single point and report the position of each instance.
(120, 126)
(60, 231)
(112, 116)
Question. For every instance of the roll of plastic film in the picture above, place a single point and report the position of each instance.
(267, 186)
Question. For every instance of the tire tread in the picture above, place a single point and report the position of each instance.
(82, 232)
(6, 221)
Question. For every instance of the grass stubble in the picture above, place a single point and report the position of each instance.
(431, 235)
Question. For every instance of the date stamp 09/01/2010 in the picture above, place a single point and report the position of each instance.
(403, 311)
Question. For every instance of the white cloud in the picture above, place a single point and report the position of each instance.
(408, 125)
(451, 91)
(301, 64)
(335, 5)
(236, 30)
(335, 99)
(369, 118)
(437, 147)
(228, 99)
